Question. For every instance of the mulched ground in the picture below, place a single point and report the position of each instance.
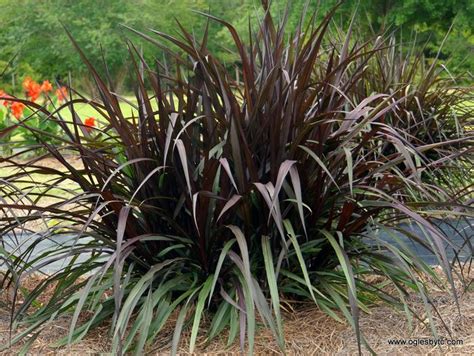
(308, 331)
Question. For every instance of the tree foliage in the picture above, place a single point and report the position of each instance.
(32, 31)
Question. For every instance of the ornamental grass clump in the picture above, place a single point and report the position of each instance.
(216, 198)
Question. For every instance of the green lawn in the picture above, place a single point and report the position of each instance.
(86, 110)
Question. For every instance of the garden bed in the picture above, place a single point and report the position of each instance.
(307, 329)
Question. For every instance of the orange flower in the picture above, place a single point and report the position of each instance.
(61, 94)
(27, 83)
(34, 90)
(46, 87)
(17, 109)
(89, 122)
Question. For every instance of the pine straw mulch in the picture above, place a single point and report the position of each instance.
(308, 331)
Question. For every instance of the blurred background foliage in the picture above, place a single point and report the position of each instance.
(34, 43)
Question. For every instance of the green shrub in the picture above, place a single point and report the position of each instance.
(222, 197)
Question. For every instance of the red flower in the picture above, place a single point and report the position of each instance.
(46, 87)
(17, 109)
(34, 90)
(89, 122)
(61, 94)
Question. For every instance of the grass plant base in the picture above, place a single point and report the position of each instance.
(308, 331)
